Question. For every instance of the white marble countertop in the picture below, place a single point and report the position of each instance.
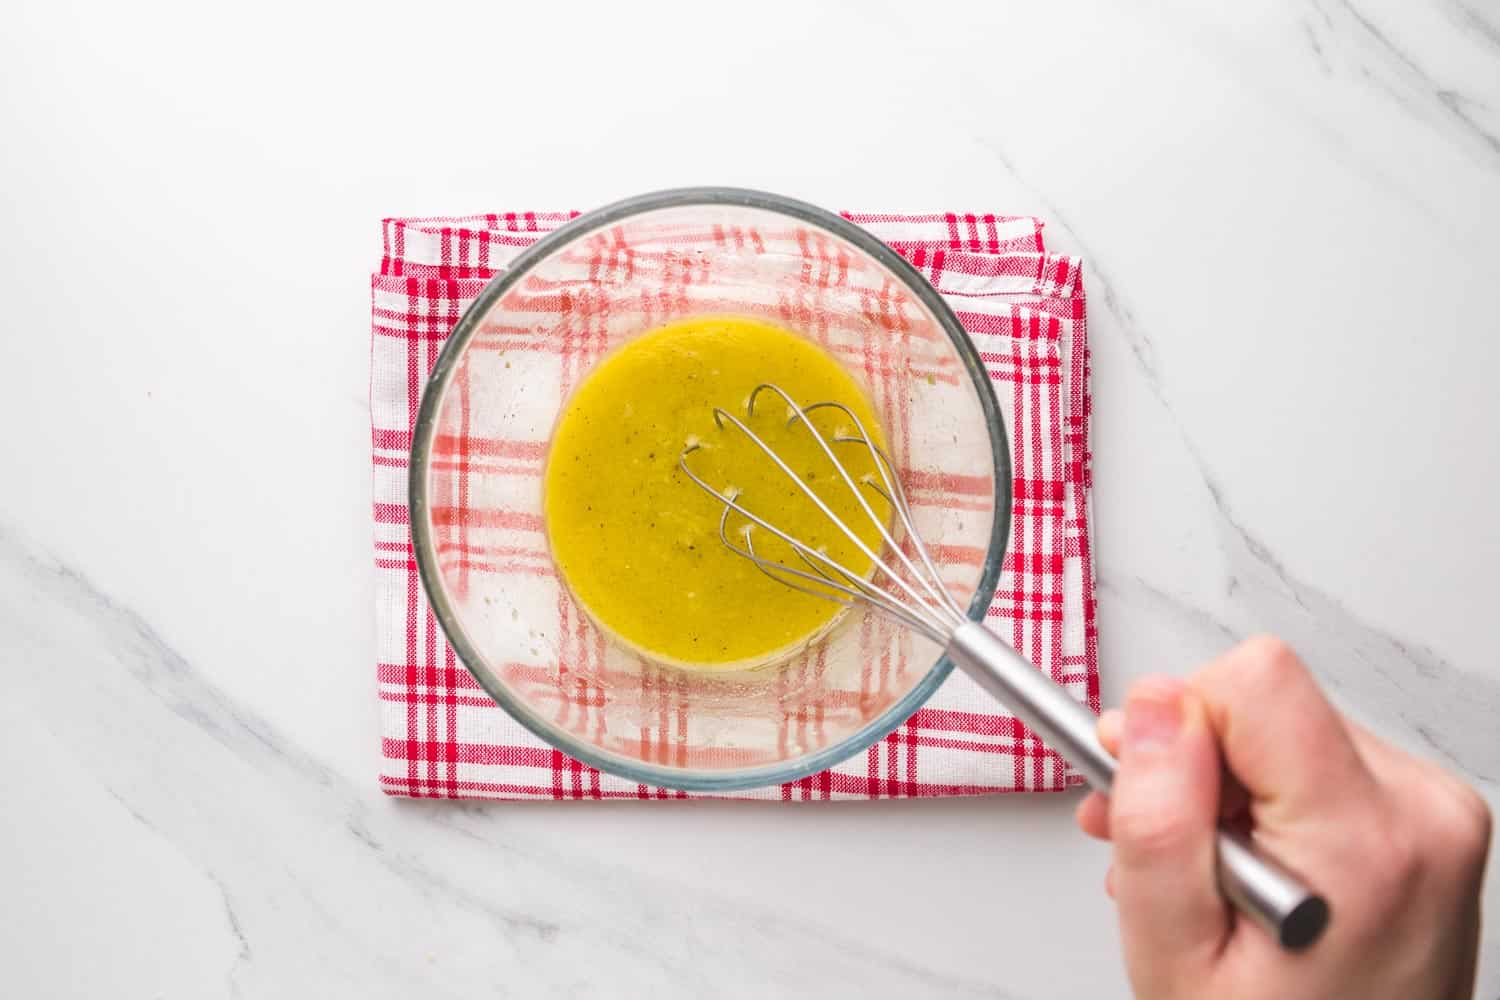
(1291, 217)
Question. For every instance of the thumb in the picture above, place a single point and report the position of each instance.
(1163, 812)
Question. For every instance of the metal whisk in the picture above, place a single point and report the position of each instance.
(911, 593)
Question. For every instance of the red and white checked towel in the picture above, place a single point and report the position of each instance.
(1024, 308)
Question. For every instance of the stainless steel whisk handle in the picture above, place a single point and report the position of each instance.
(1249, 878)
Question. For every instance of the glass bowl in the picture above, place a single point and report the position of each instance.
(482, 435)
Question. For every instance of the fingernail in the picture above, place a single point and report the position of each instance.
(1153, 713)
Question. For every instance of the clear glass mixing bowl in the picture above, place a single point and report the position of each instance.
(493, 399)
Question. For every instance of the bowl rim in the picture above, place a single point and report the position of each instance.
(424, 430)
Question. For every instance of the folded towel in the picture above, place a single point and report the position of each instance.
(443, 737)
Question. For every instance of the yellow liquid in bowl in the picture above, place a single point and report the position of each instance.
(638, 542)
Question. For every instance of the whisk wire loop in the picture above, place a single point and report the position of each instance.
(938, 619)
(933, 587)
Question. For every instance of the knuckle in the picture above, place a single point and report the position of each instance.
(1478, 811)
(1438, 836)
(1270, 660)
(1462, 826)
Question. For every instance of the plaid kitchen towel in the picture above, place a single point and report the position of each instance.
(1025, 310)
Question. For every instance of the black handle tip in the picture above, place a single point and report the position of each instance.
(1304, 924)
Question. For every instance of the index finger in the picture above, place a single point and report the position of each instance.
(1280, 735)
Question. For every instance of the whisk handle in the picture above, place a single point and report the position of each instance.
(1249, 878)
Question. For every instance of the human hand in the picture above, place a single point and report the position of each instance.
(1395, 844)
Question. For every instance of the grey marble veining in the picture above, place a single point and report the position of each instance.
(1290, 215)
(283, 839)
(1388, 65)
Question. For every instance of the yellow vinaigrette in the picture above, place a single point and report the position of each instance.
(638, 543)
